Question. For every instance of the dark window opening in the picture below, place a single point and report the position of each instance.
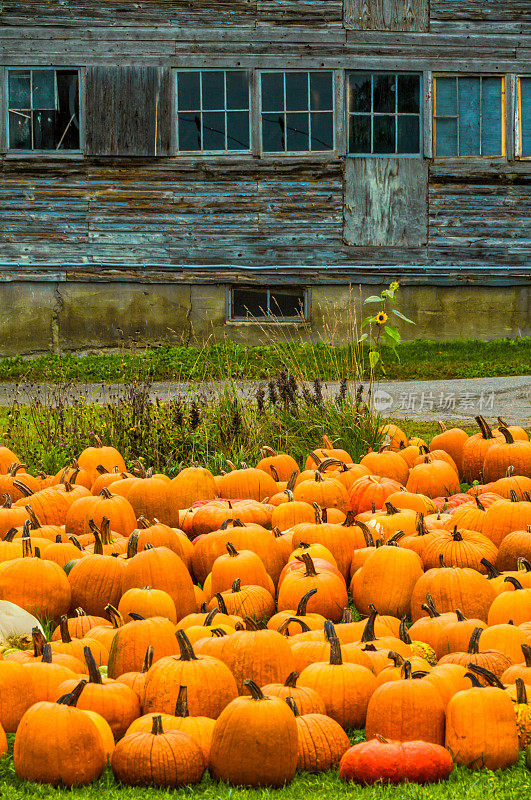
(297, 111)
(270, 305)
(43, 106)
(384, 113)
(213, 111)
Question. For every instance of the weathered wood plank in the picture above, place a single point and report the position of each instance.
(387, 15)
(385, 201)
(128, 111)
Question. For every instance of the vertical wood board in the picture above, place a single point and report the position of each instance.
(128, 111)
(386, 202)
(387, 15)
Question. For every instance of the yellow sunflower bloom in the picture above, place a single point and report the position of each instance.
(381, 318)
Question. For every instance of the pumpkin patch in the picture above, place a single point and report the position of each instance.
(245, 624)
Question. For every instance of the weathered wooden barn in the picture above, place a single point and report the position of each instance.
(180, 168)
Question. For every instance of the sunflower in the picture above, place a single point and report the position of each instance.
(381, 318)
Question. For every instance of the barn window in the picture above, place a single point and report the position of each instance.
(384, 113)
(523, 120)
(469, 115)
(213, 111)
(43, 108)
(297, 111)
(284, 303)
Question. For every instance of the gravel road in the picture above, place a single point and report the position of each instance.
(446, 400)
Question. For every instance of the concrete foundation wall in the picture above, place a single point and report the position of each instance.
(55, 316)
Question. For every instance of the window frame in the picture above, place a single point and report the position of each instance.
(79, 151)
(503, 119)
(422, 145)
(175, 91)
(518, 144)
(297, 153)
(269, 318)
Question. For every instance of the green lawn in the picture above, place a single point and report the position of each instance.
(419, 359)
(514, 783)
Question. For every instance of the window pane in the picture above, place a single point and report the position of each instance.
(446, 97)
(384, 93)
(359, 88)
(384, 134)
(67, 116)
(322, 132)
(44, 135)
(213, 90)
(44, 89)
(296, 91)
(238, 130)
(359, 133)
(321, 91)
(272, 91)
(238, 89)
(19, 130)
(249, 303)
(408, 94)
(19, 89)
(446, 137)
(469, 117)
(214, 130)
(525, 115)
(491, 121)
(283, 303)
(273, 133)
(189, 131)
(408, 135)
(188, 91)
(297, 132)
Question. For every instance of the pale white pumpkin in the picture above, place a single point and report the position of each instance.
(15, 621)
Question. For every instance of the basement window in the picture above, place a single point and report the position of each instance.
(43, 110)
(276, 304)
(523, 120)
(384, 113)
(469, 116)
(213, 111)
(297, 111)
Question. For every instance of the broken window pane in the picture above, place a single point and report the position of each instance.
(286, 303)
(248, 303)
(20, 130)
(43, 89)
(19, 89)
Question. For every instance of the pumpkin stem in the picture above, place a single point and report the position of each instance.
(157, 729)
(114, 614)
(75, 541)
(406, 670)
(317, 513)
(293, 705)
(308, 563)
(291, 680)
(460, 616)
(403, 633)
(515, 582)
(473, 678)
(39, 641)
(47, 653)
(347, 617)
(181, 706)
(185, 647)
(93, 671)
(209, 617)
(390, 509)
(513, 496)
(381, 738)
(63, 627)
(219, 632)
(303, 602)
(136, 617)
(367, 535)
(292, 481)
(456, 536)
(336, 657)
(221, 603)
(231, 550)
(80, 612)
(329, 630)
(492, 572)
(473, 645)
(521, 694)
(148, 659)
(523, 563)
(256, 692)
(526, 650)
(72, 697)
(284, 626)
(368, 634)
(442, 565)
(236, 586)
(132, 544)
(396, 658)
(10, 535)
(479, 504)
(507, 434)
(509, 471)
(489, 676)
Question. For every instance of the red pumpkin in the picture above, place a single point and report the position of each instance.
(395, 762)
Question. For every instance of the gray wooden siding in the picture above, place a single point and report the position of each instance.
(387, 15)
(385, 202)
